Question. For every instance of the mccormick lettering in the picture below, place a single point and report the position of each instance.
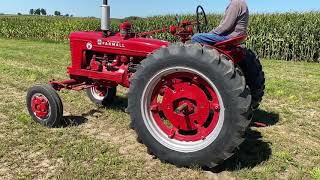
(110, 43)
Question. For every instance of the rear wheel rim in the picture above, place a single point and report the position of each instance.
(40, 106)
(180, 120)
(98, 93)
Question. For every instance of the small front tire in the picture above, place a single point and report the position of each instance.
(102, 96)
(44, 105)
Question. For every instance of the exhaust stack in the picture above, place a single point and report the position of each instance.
(105, 18)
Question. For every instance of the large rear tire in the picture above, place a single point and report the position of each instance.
(255, 77)
(189, 105)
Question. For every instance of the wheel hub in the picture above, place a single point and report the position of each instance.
(185, 107)
(40, 106)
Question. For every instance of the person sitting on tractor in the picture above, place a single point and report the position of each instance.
(233, 24)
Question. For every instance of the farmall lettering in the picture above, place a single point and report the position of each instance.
(110, 43)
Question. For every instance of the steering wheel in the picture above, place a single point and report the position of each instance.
(202, 20)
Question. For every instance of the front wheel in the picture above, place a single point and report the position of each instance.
(101, 95)
(189, 106)
(44, 105)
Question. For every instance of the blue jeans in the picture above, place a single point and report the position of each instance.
(208, 38)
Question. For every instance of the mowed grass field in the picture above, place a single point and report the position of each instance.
(98, 143)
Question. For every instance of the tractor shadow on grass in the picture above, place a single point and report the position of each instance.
(252, 152)
(267, 118)
(119, 104)
(70, 121)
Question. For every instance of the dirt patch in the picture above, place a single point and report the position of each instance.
(127, 141)
(10, 92)
(3, 117)
(5, 173)
(36, 165)
(222, 176)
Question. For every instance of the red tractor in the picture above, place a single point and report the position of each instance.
(190, 104)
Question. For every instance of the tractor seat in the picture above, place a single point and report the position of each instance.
(232, 42)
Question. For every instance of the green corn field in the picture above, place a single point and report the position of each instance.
(289, 36)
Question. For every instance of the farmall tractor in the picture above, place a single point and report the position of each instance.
(190, 104)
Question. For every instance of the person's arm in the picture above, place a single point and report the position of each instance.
(229, 19)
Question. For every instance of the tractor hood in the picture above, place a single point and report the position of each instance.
(115, 44)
